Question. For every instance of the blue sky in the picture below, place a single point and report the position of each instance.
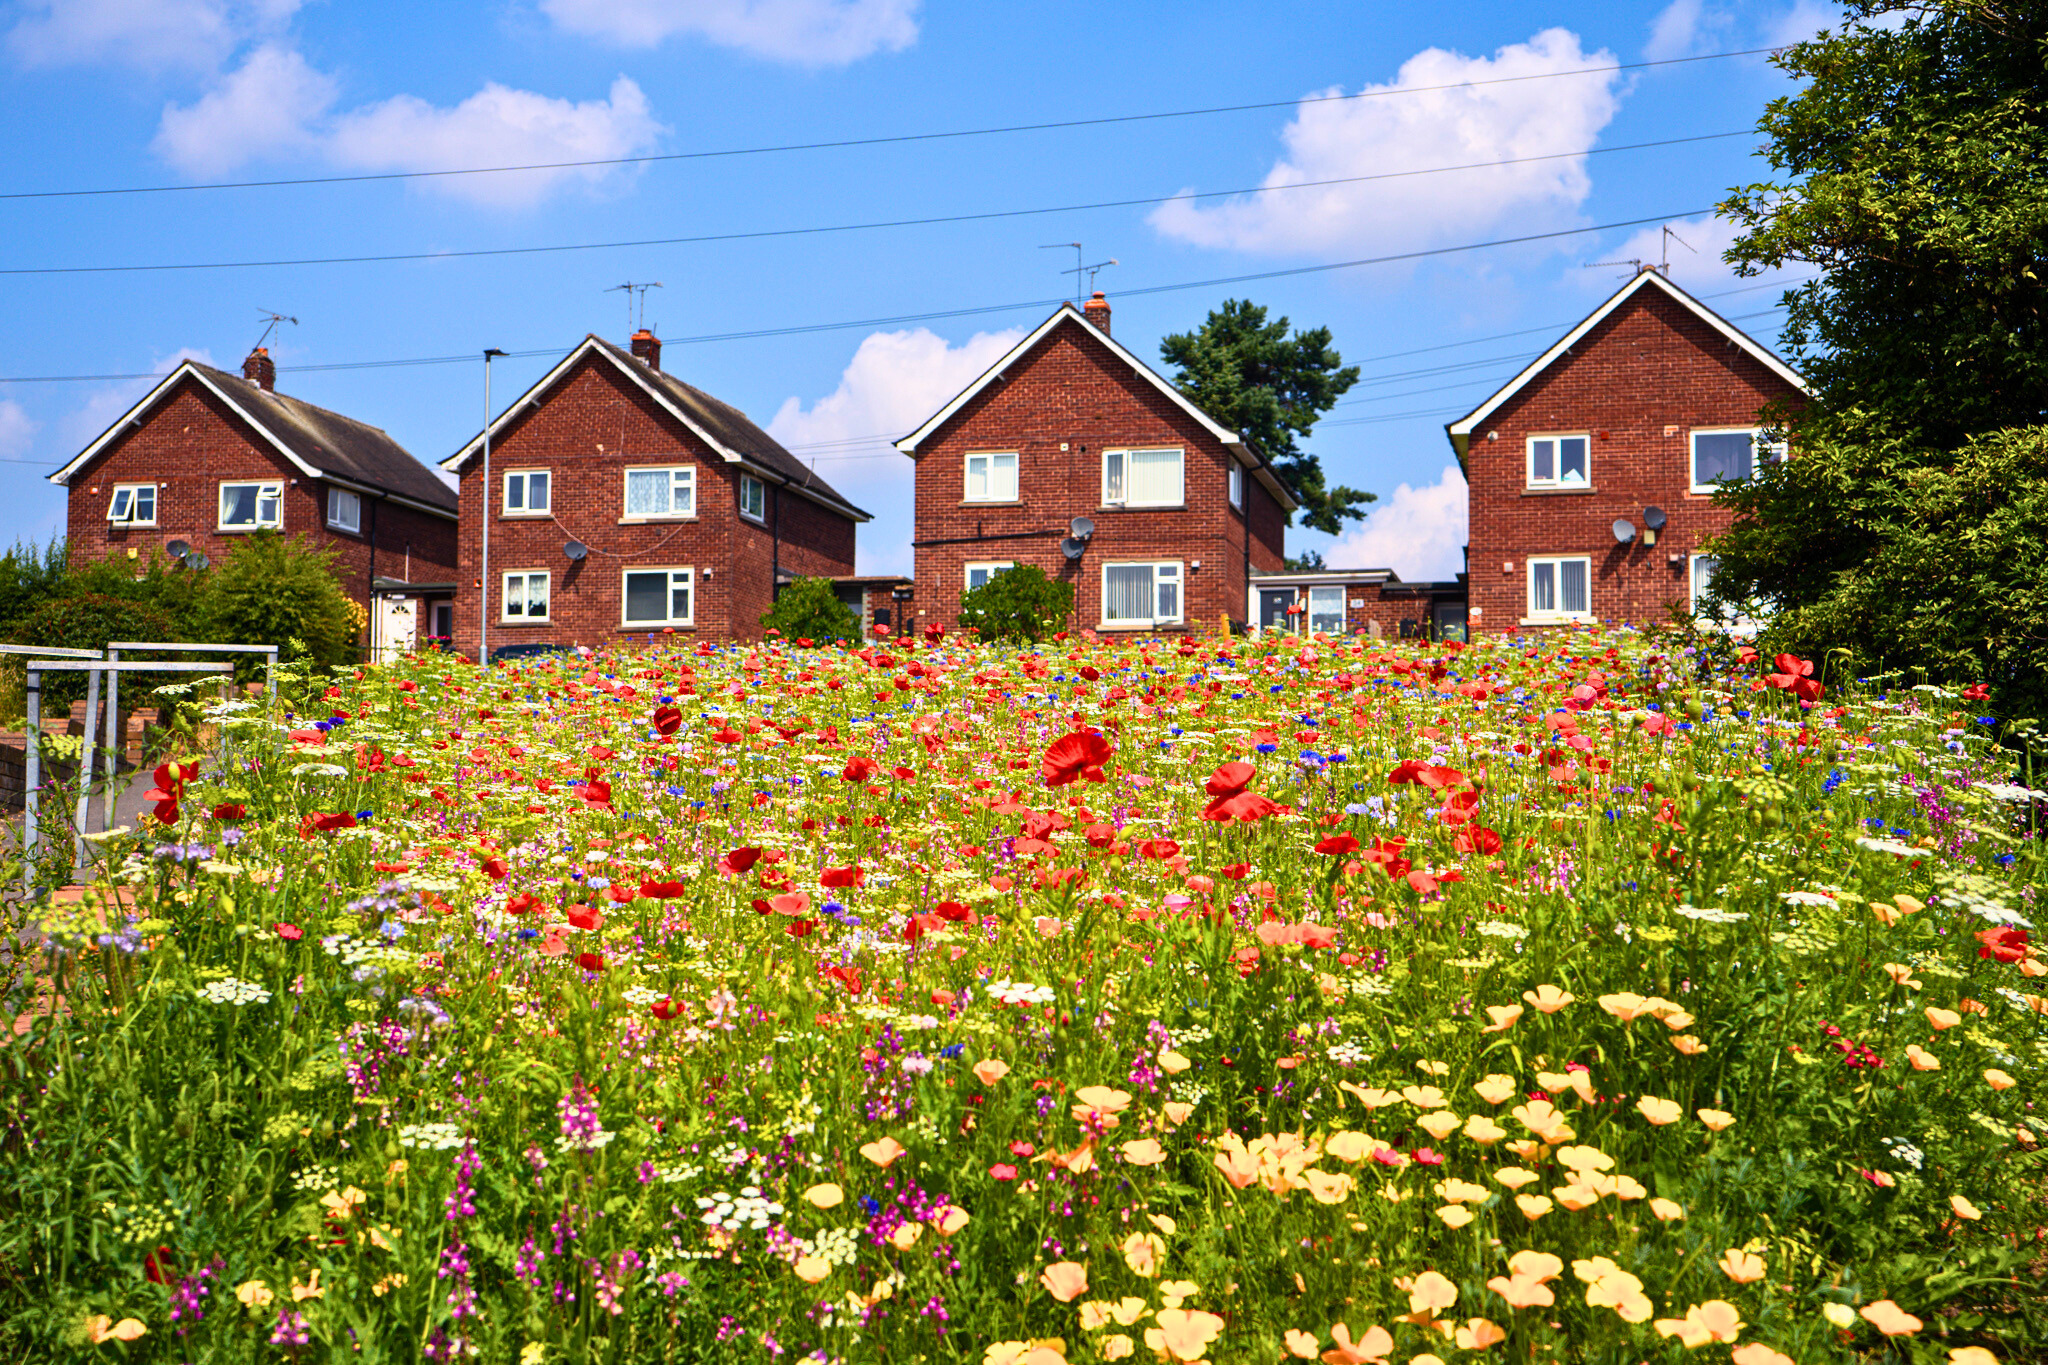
(125, 93)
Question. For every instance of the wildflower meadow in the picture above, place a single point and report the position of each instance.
(1597, 999)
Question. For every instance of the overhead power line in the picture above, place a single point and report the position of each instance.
(702, 239)
(844, 143)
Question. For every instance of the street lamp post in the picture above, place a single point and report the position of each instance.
(483, 611)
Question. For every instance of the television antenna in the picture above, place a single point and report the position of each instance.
(1635, 266)
(1670, 237)
(635, 292)
(275, 318)
(1089, 271)
(1075, 247)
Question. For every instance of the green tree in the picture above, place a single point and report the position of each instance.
(1912, 173)
(1019, 604)
(275, 591)
(1254, 378)
(810, 609)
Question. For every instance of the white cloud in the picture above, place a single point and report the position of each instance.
(1699, 269)
(1674, 31)
(894, 382)
(1808, 17)
(806, 32)
(276, 104)
(262, 108)
(153, 34)
(1433, 127)
(1419, 533)
(17, 430)
(497, 126)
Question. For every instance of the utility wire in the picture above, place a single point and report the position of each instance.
(876, 141)
(766, 233)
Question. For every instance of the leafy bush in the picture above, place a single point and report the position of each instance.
(86, 621)
(276, 591)
(1018, 604)
(810, 609)
(29, 576)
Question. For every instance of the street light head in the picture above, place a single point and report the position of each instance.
(492, 351)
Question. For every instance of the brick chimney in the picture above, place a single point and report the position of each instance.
(1096, 310)
(259, 369)
(647, 346)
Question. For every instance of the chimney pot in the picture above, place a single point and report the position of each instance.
(259, 369)
(647, 347)
(1096, 310)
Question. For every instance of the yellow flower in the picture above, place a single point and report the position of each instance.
(826, 1196)
(1740, 1266)
(311, 1289)
(1533, 1206)
(254, 1294)
(1921, 1058)
(1576, 1197)
(1424, 1096)
(1301, 1345)
(1840, 1314)
(1477, 1334)
(1998, 1080)
(905, 1236)
(1549, 999)
(1890, 1319)
(103, 1328)
(1439, 1125)
(883, 1151)
(1144, 1152)
(1964, 1208)
(1183, 1334)
(1689, 1045)
(1942, 1019)
(1065, 1280)
(1173, 1293)
(1494, 1088)
(1666, 1210)
(1326, 1186)
(811, 1269)
(1514, 1177)
(950, 1219)
(1715, 1119)
(1454, 1215)
(1455, 1191)
(342, 1204)
(1143, 1253)
(1626, 1006)
(1117, 1346)
(1172, 1063)
(1484, 1130)
(1504, 1018)
(1659, 1112)
(1349, 1146)
(990, 1071)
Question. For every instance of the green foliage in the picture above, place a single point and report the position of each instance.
(277, 591)
(1307, 560)
(1251, 376)
(29, 576)
(86, 621)
(1913, 171)
(810, 609)
(1905, 558)
(1019, 604)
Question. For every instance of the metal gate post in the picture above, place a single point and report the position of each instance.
(117, 743)
(88, 742)
(31, 776)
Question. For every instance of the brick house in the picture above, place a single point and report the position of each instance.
(1071, 425)
(1592, 472)
(208, 457)
(623, 502)
(1372, 602)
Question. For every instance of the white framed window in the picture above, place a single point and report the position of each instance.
(1729, 455)
(1560, 461)
(1236, 485)
(978, 575)
(134, 504)
(1142, 594)
(1142, 478)
(666, 491)
(658, 597)
(527, 493)
(344, 511)
(251, 506)
(992, 476)
(1326, 609)
(526, 595)
(1560, 588)
(753, 498)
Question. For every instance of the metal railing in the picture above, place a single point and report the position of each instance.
(114, 649)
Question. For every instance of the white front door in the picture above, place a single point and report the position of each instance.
(397, 627)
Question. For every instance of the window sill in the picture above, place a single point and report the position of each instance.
(990, 502)
(246, 530)
(1143, 507)
(651, 521)
(131, 526)
(640, 626)
(526, 516)
(1547, 491)
(752, 520)
(355, 531)
(1141, 625)
(526, 620)
(1585, 620)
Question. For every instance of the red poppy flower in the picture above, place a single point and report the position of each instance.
(154, 1266)
(597, 793)
(1337, 845)
(318, 822)
(664, 1008)
(1977, 692)
(1075, 757)
(667, 720)
(800, 928)
(846, 976)
(1244, 807)
(290, 933)
(1478, 839)
(952, 910)
(590, 962)
(1237, 872)
(1230, 779)
(1099, 835)
(790, 903)
(859, 768)
(525, 903)
(495, 869)
(170, 789)
(835, 877)
(739, 861)
(728, 735)
(661, 891)
(1409, 770)
(228, 811)
(1162, 849)
(585, 917)
(2003, 944)
(920, 925)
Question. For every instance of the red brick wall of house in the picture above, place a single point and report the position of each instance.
(1071, 389)
(191, 443)
(586, 432)
(1639, 383)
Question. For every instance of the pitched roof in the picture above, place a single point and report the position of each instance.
(730, 433)
(1460, 431)
(1067, 312)
(319, 443)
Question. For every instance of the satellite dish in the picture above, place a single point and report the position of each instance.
(197, 560)
(1624, 530)
(1072, 547)
(1082, 527)
(575, 549)
(1654, 518)
(178, 549)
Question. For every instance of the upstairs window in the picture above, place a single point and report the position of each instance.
(1729, 456)
(992, 477)
(1559, 461)
(1236, 485)
(526, 493)
(665, 492)
(134, 504)
(344, 511)
(1141, 594)
(1142, 478)
(753, 498)
(251, 506)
